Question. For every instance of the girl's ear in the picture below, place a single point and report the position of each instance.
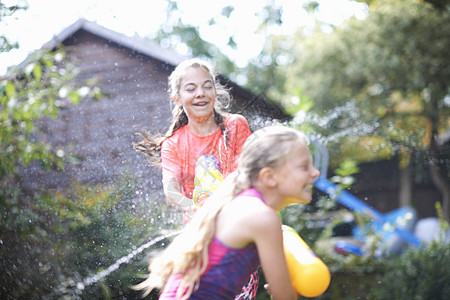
(176, 99)
(267, 177)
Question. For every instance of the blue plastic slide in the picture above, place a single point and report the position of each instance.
(355, 204)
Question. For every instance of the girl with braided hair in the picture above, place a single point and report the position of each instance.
(200, 127)
(238, 228)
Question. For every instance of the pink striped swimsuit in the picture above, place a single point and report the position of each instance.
(228, 269)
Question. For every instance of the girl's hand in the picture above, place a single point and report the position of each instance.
(175, 199)
(189, 213)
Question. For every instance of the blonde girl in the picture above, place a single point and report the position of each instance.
(239, 228)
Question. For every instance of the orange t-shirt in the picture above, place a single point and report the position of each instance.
(180, 152)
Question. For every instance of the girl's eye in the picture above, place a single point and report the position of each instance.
(208, 87)
(304, 167)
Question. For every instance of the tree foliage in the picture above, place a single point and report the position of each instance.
(176, 33)
(265, 73)
(5, 12)
(28, 94)
(172, 35)
(380, 86)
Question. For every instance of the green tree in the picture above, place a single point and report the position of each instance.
(5, 12)
(175, 32)
(380, 86)
(172, 35)
(265, 73)
(28, 94)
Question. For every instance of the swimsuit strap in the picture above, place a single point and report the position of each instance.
(252, 192)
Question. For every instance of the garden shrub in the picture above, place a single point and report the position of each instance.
(418, 274)
(77, 233)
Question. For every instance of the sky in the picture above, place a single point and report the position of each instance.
(45, 18)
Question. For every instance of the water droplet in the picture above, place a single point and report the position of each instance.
(80, 286)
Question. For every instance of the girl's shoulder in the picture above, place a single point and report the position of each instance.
(253, 206)
(237, 125)
(176, 136)
(235, 118)
(258, 216)
(243, 219)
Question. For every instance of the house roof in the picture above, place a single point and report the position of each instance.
(153, 50)
(144, 46)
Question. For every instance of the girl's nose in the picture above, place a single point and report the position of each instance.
(199, 93)
(315, 173)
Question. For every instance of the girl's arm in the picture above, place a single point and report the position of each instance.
(172, 191)
(269, 241)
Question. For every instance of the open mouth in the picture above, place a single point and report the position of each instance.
(201, 104)
(308, 189)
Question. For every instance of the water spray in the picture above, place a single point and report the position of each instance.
(81, 285)
(123, 260)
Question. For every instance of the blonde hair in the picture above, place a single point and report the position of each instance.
(150, 145)
(188, 253)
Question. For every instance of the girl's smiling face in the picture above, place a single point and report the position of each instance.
(197, 94)
(296, 176)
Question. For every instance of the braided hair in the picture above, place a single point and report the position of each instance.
(150, 144)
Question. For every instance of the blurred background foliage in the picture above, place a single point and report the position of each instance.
(380, 84)
(50, 240)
